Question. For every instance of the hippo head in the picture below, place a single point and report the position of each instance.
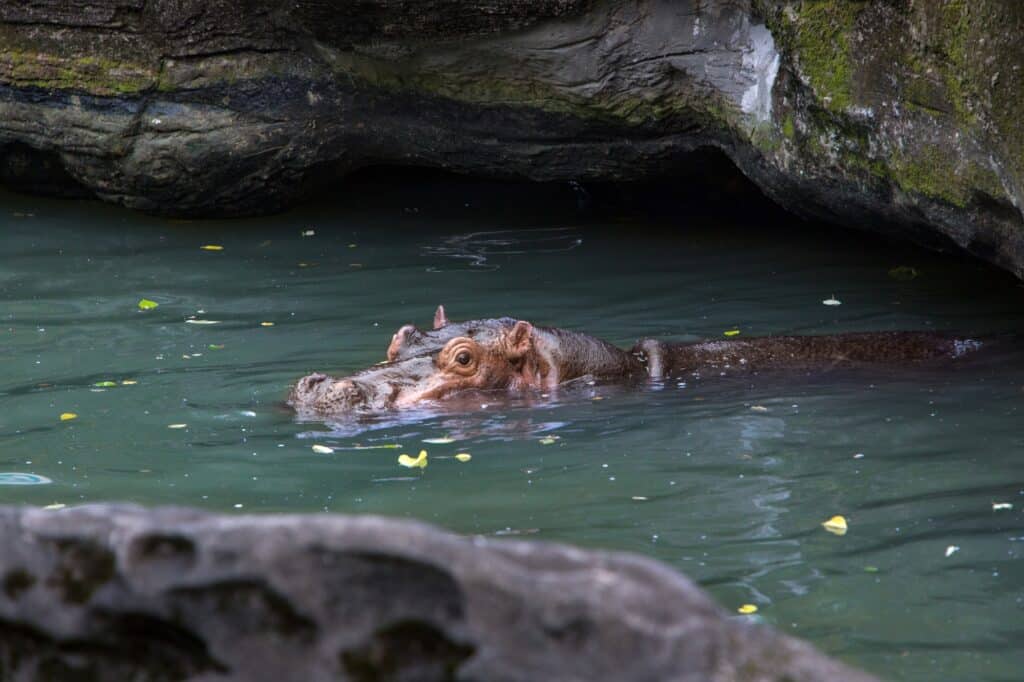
(430, 365)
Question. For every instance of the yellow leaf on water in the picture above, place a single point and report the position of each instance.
(549, 440)
(439, 441)
(731, 332)
(420, 461)
(747, 609)
(836, 525)
(211, 247)
(758, 408)
(266, 324)
(129, 382)
(463, 456)
(146, 304)
(105, 384)
(322, 449)
(176, 426)
(54, 506)
(68, 416)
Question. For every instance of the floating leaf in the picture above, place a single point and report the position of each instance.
(951, 550)
(548, 440)
(105, 384)
(202, 321)
(266, 324)
(731, 332)
(211, 247)
(420, 461)
(308, 233)
(387, 446)
(758, 408)
(216, 346)
(322, 450)
(463, 456)
(903, 273)
(54, 507)
(996, 506)
(871, 569)
(68, 416)
(176, 426)
(128, 382)
(638, 498)
(836, 525)
(747, 609)
(832, 301)
(146, 304)
(439, 441)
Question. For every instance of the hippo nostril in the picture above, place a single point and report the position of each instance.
(350, 391)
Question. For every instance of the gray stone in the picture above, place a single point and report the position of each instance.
(893, 115)
(109, 592)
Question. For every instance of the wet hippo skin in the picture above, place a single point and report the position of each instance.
(515, 355)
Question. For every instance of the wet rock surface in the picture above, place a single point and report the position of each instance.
(118, 592)
(898, 116)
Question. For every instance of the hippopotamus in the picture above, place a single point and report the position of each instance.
(508, 354)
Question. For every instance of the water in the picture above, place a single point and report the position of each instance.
(691, 475)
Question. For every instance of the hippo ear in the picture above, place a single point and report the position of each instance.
(520, 339)
(440, 319)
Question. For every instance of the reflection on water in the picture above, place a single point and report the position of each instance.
(688, 471)
(484, 250)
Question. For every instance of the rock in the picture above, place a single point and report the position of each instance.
(889, 115)
(109, 592)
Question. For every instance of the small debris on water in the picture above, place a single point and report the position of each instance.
(439, 441)
(758, 408)
(903, 273)
(266, 324)
(997, 506)
(146, 304)
(832, 301)
(639, 498)
(463, 456)
(836, 525)
(418, 462)
(211, 247)
(731, 332)
(308, 233)
(68, 416)
(322, 449)
(176, 426)
(54, 507)
(951, 550)
(747, 609)
(548, 440)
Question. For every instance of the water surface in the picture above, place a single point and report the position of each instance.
(689, 474)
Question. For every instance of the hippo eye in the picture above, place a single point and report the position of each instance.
(463, 358)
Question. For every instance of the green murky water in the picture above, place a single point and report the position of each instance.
(689, 474)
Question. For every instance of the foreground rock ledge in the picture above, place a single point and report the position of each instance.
(111, 592)
(895, 115)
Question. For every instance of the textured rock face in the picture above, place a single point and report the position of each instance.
(897, 115)
(118, 593)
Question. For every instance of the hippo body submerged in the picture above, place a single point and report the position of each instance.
(516, 356)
